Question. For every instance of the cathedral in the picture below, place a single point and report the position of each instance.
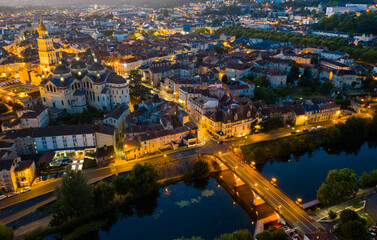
(80, 85)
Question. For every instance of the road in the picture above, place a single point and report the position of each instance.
(96, 174)
(288, 209)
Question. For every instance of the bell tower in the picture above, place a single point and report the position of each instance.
(46, 51)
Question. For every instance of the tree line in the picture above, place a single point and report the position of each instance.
(363, 53)
(365, 23)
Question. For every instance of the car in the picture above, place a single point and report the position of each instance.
(2, 197)
(44, 177)
(305, 130)
(13, 194)
(293, 132)
(319, 127)
(27, 189)
(219, 141)
(298, 131)
(313, 129)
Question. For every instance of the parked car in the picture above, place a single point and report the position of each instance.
(293, 132)
(313, 129)
(305, 130)
(13, 194)
(319, 127)
(219, 141)
(298, 131)
(2, 197)
(27, 189)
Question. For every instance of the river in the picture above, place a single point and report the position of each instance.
(300, 177)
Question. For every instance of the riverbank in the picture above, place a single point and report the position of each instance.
(171, 173)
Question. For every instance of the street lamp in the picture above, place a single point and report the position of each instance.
(273, 180)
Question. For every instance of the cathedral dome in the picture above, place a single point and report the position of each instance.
(61, 69)
(78, 65)
(96, 67)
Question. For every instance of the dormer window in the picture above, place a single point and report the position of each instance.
(248, 114)
(95, 60)
(97, 74)
(79, 73)
(62, 79)
(236, 116)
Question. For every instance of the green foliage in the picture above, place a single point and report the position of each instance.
(368, 54)
(262, 82)
(84, 118)
(365, 23)
(6, 233)
(81, 231)
(237, 235)
(137, 89)
(225, 79)
(108, 33)
(73, 197)
(293, 74)
(3, 108)
(200, 170)
(103, 194)
(368, 180)
(340, 185)
(202, 30)
(352, 226)
(266, 95)
(272, 123)
(352, 230)
(219, 49)
(265, 235)
(144, 179)
(326, 88)
(314, 60)
(332, 214)
(122, 185)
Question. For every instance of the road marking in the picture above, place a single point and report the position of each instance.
(275, 197)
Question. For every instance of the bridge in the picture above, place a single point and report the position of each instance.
(281, 203)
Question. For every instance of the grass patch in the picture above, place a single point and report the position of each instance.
(357, 204)
(368, 220)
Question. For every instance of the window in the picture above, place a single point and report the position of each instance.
(62, 102)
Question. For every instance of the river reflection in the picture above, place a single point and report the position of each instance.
(300, 175)
(198, 209)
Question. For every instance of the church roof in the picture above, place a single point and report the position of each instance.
(78, 65)
(61, 69)
(96, 67)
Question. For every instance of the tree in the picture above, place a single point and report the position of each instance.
(278, 234)
(326, 88)
(73, 197)
(332, 214)
(144, 179)
(293, 74)
(108, 33)
(349, 215)
(219, 49)
(6, 233)
(103, 194)
(137, 89)
(340, 185)
(225, 79)
(368, 179)
(165, 12)
(122, 185)
(352, 230)
(237, 235)
(314, 60)
(202, 30)
(265, 235)
(3, 108)
(200, 170)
